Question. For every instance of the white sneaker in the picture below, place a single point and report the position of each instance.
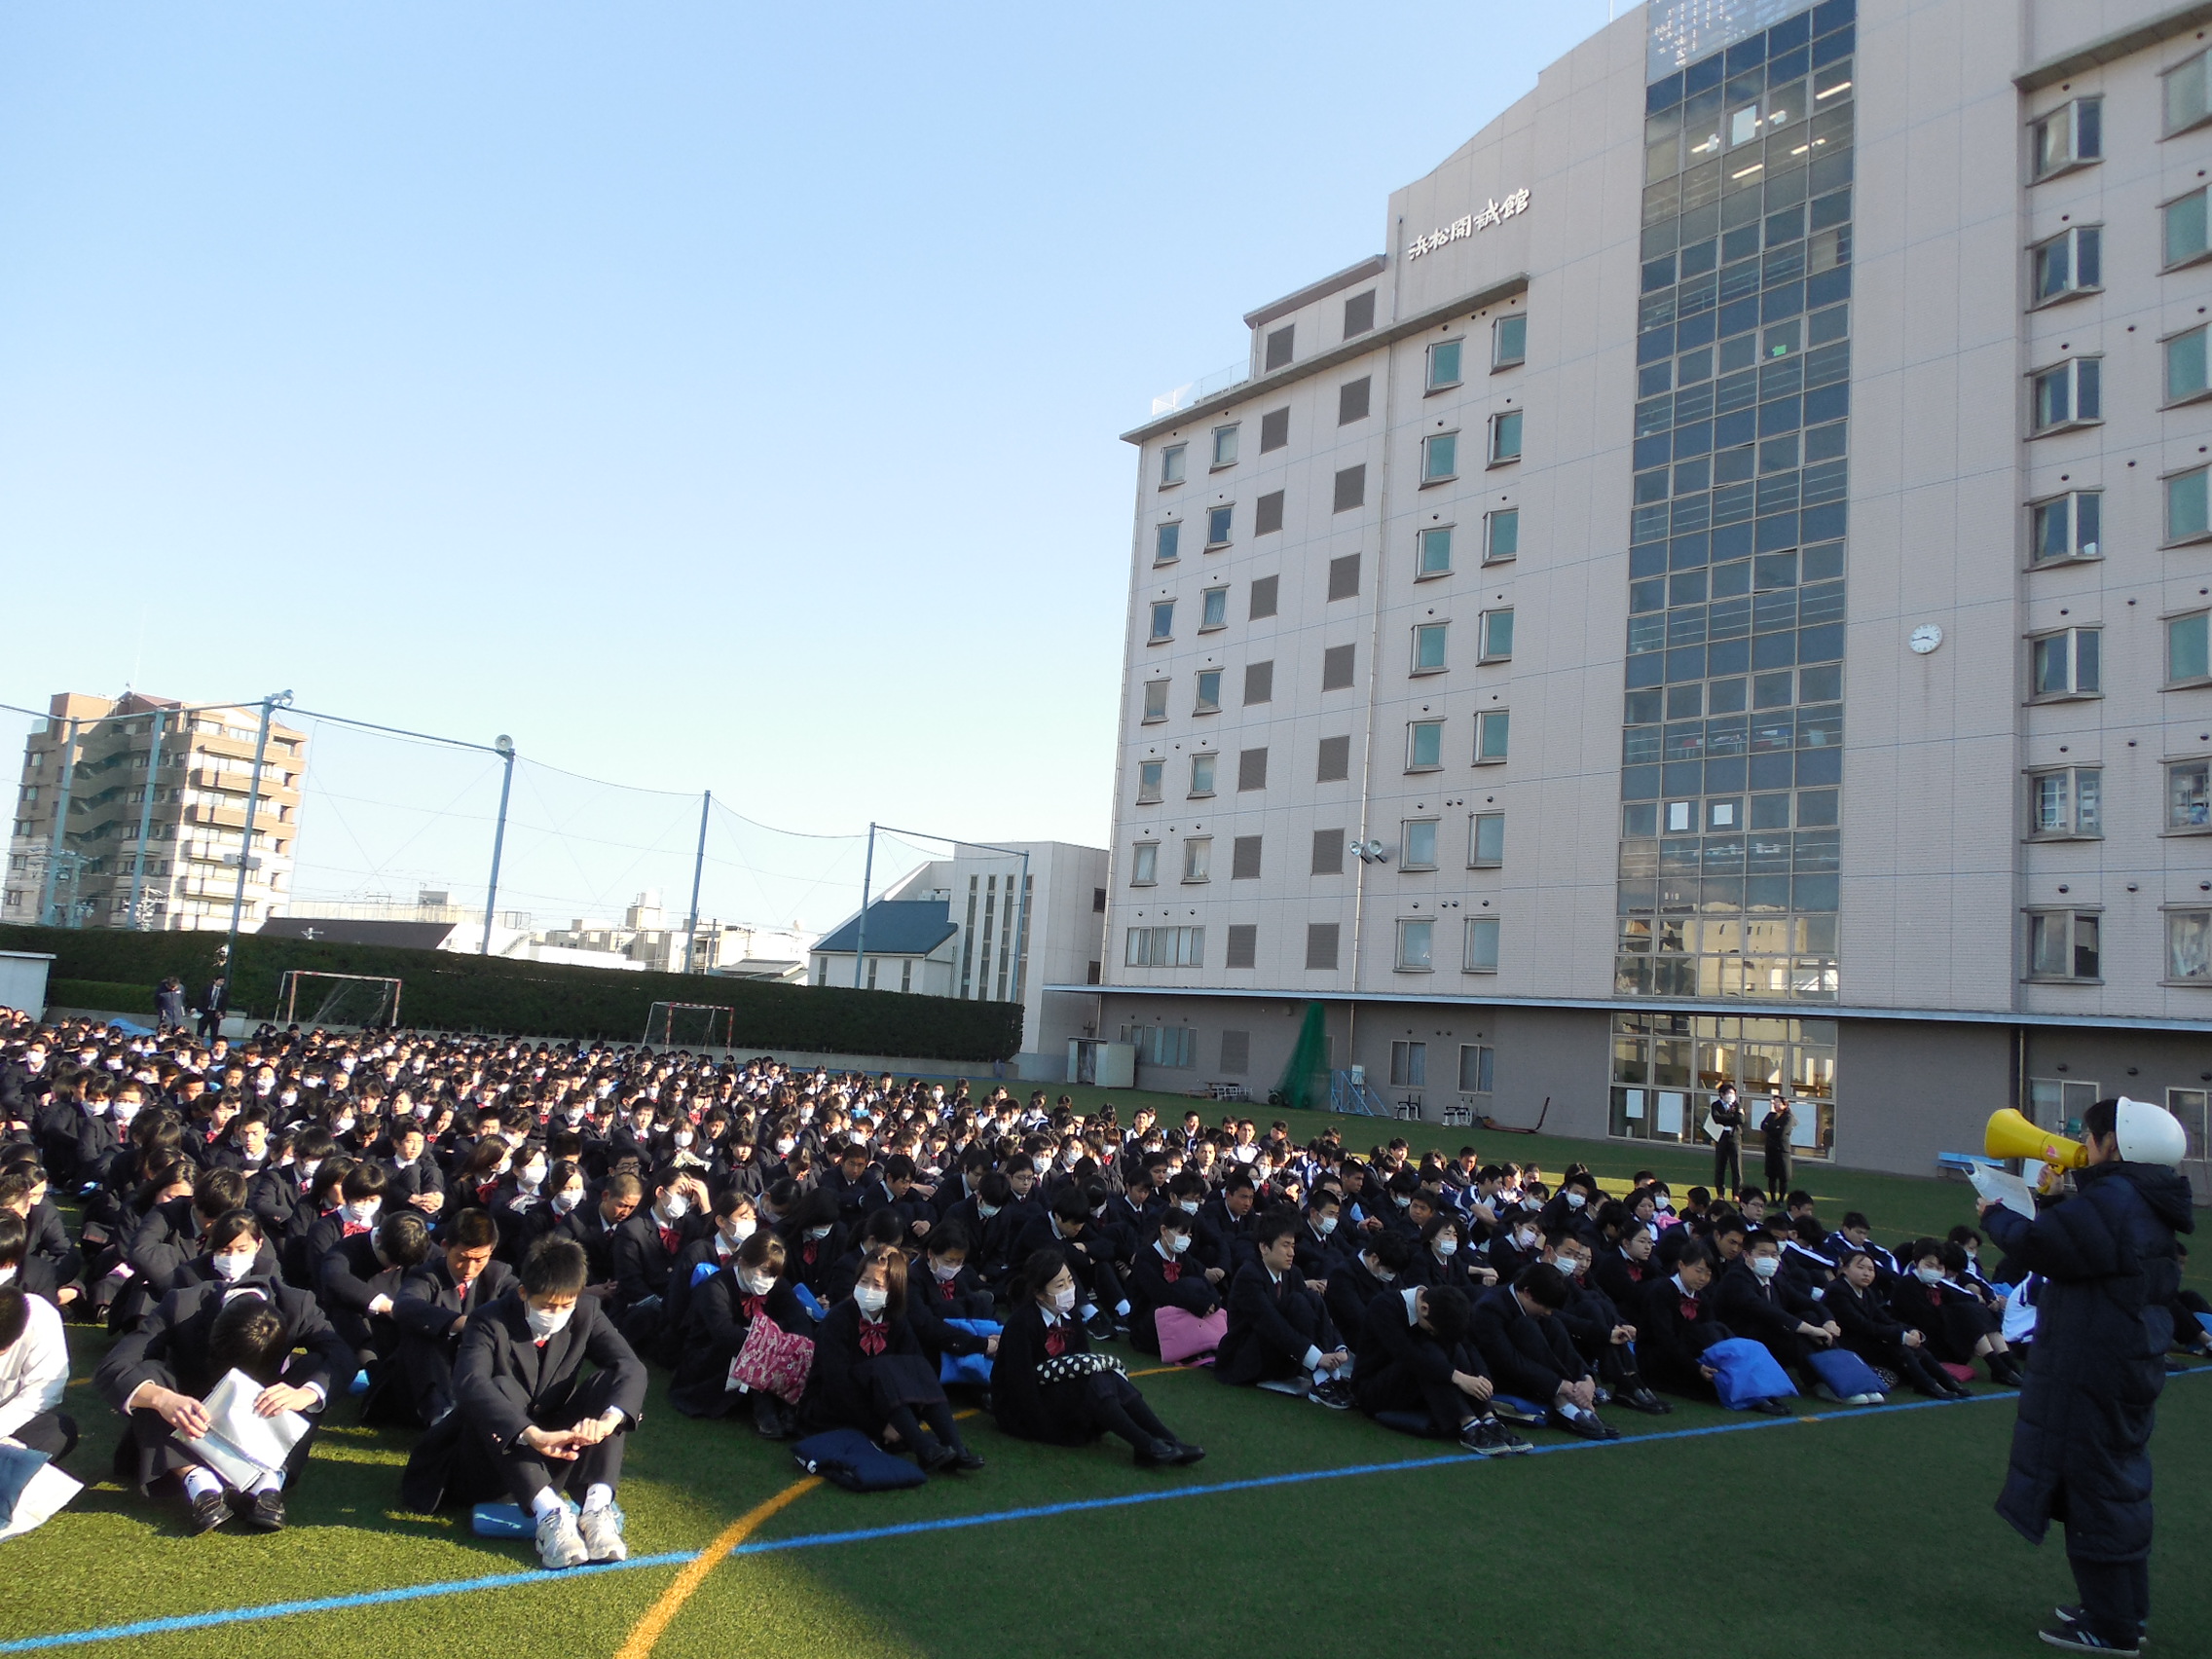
(1865, 1400)
(558, 1541)
(603, 1533)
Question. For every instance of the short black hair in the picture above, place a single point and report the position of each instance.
(554, 1267)
(15, 1314)
(1543, 1284)
(1448, 1316)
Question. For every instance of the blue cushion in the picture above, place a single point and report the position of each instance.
(1845, 1373)
(1748, 1372)
(971, 1368)
(854, 1461)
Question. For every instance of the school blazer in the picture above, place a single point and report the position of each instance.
(504, 1380)
(170, 1347)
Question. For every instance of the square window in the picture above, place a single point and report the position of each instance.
(1202, 775)
(1409, 1065)
(1224, 445)
(1259, 682)
(1501, 535)
(2065, 527)
(1337, 664)
(1498, 636)
(2066, 805)
(1444, 364)
(1171, 463)
(1244, 858)
(1416, 942)
(1343, 577)
(1486, 841)
(1155, 700)
(2186, 649)
(2185, 367)
(1321, 946)
(1429, 647)
(1493, 729)
(1505, 437)
(2069, 136)
(2188, 515)
(1434, 552)
(1166, 540)
(2068, 264)
(1262, 598)
(1198, 857)
(1274, 429)
(1360, 313)
(1351, 489)
(1219, 520)
(2065, 396)
(1482, 944)
(2066, 664)
(1352, 399)
(1279, 345)
(1439, 458)
(1334, 766)
(1147, 779)
(1144, 865)
(2188, 96)
(2182, 223)
(1243, 951)
(1208, 698)
(2188, 947)
(1328, 852)
(1213, 609)
(1509, 341)
(1252, 769)
(1162, 622)
(2063, 944)
(1424, 745)
(2189, 796)
(1417, 840)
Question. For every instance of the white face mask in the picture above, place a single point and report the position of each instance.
(756, 1283)
(363, 1211)
(1382, 1276)
(871, 1299)
(343, 1127)
(531, 1177)
(232, 1265)
(943, 1273)
(683, 1137)
(740, 1230)
(547, 1321)
(565, 1202)
(784, 1145)
(1326, 1226)
(986, 1211)
(1175, 1244)
(1571, 1266)
(1929, 1276)
(1063, 1301)
(7, 1276)
(1526, 1237)
(1188, 1206)
(818, 1233)
(675, 1206)
(1575, 1200)
(1445, 1245)
(1766, 1266)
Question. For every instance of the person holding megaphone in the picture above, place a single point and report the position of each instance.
(2082, 1446)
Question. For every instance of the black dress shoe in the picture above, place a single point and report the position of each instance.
(266, 1512)
(1643, 1400)
(1186, 1454)
(210, 1510)
(967, 1461)
(1770, 1408)
(935, 1457)
(1156, 1454)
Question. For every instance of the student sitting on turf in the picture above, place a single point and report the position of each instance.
(1959, 1328)
(1280, 1335)
(159, 1375)
(1047, 1386)
(34, 1371)
(1416, 1361)
(1675, 1325)
(527, 1419)
(1317, 1252)
(941, 1287)
(432, 1307)
(1877, 1335)
(1065, 1227)
(359, 1277)
(1163, 1276)
(1383, 1261)
(1754, 1302)
(1515, 1246)
(871, 1374)
(1604, 1337)
(1529, 1355)
(747, 1285)
(1622, 1269)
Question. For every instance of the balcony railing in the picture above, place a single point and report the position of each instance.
(1204, 386)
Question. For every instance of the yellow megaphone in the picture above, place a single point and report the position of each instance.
(2010, 1135)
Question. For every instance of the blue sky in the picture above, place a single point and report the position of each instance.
(709, 396)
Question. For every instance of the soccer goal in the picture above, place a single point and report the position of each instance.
(688, 1025)
(363, 1001)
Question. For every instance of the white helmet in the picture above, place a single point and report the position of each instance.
(2150, 1134)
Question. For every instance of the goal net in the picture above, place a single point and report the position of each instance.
(362, 1001)
(688, 1025)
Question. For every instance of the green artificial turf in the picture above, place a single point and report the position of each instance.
(1854, 1533)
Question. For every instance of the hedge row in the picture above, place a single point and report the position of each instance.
(99, 995)
(449, 991)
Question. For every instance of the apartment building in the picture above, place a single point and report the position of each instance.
(142, 799)
(1722, 596)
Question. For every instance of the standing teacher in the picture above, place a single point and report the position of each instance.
(2082, 1446)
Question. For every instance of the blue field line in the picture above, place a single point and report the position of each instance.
(816, 1540)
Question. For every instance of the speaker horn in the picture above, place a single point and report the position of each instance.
(2010, 1135)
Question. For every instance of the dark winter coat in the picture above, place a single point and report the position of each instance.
(2082, 1447)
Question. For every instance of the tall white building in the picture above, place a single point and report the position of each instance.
(1722, 596)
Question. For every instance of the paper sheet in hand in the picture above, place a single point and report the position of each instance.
(2002, 1187)
(239, 1446)
(40, 1500)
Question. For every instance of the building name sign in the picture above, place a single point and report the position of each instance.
(1495, 212)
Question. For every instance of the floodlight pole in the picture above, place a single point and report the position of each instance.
(146, 822)
(698, 868)
(504, 747)
(859, 941)
(58, 847)
(268, 705)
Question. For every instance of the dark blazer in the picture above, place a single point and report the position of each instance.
(429, 1301)
(1673, 1330)
(1526, 1356)
(1390, 1337)
(642, 1259)
(505, 1381)
(838, 1394)
(1767, 1311)
(1025, 1407)
(719, 1317)
(1261, 1341)
(1352, 1289)
(170, 1347)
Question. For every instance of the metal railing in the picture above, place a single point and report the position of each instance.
(1204, 386)
(1359, 1099)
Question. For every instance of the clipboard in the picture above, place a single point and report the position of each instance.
(239, 1445)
